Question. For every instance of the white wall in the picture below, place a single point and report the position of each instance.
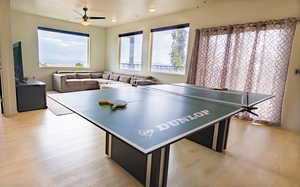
(24, 29)
(7, 68)
(291, 110)
(216, 14)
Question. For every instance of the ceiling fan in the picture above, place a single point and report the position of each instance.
(86, 18)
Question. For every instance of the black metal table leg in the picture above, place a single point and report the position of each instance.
(214, 137)
(150, 169)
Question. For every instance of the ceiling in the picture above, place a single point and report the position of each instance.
(123, 11)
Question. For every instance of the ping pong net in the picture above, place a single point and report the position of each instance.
(242, 99)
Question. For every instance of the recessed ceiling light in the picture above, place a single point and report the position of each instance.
(152, 9)
(114, 20)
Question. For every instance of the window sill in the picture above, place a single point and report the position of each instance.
(151, 72)
(130, 70)
(63, 67)
(168, 73)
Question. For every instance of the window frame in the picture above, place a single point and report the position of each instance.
(166, 28)
(120, 47)
(70, 33)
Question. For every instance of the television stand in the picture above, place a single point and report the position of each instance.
(31, 95)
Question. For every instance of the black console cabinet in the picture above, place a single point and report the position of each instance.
(31, 95)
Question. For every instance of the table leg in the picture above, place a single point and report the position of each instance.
(150, 169)
(214, 137)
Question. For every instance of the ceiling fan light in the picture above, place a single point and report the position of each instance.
(152, 10)
(85, 23)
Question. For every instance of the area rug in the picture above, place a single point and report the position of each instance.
(56, 108)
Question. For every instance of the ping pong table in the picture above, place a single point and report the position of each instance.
(139, 137)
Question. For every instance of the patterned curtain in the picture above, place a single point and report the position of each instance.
(250, 57)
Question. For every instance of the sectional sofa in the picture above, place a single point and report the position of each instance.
(69, 81)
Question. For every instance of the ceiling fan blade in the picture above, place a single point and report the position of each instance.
(77, 12)
(97, 17)
(77, 18)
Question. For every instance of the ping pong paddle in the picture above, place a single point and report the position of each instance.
(115, 104)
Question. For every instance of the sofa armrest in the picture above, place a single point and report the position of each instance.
(59, 82)
(143, 82)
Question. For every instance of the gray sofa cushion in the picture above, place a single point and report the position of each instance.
(143, 82)
(74, 82)
(103, 81)
(89, 81)
(67, 72)
(114, 85)
(139, 79)
(106, 76)
(96, 75)
(83, 75)
(114, 77)
(124, 78)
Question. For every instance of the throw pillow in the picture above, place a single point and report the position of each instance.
(124, 78)
(96, 75)
(133, 80)
(114, 77)
(106, 76)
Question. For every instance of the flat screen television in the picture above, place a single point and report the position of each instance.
(18, 62)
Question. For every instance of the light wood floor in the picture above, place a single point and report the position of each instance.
(40, 149)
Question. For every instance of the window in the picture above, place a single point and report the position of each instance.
(131, 51)
(248, 57)
(59, 48)
(169, 49)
